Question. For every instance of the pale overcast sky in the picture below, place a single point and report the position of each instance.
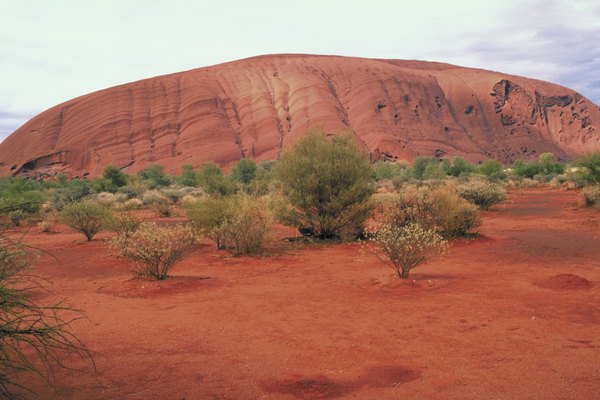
(54, 50)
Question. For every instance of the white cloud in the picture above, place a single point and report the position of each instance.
(53, 51)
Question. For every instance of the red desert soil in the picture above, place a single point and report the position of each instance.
(258, 106)
(330, 321)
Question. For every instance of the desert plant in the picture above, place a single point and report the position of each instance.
(493, 170)
(247, 229)
(86, 217)
(329, 181)
(212, 180)
(131, 204)
(591, 195)
(208, 214)
(460, 167)
(125, 224)
(154, 176)
(34, 338)
(17, 216)
(589, 172)
(451, 214)
(481, 193)
(48, 222)
(244, 171)
(156, 249)
(406, 247)
(188, 176)
(164, 209)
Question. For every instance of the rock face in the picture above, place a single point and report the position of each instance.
(259, 106)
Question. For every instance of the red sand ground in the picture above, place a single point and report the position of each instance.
(511, 315)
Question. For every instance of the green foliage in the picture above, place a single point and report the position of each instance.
(481, 193)
(460, 167)
(421, 164)
(154, 176)
(212, 180)
(19, 194)
(329, 180)
(493, 170)
(33, 337)
(188, 176)
(261, 184)
(546, 165)
(247, 229)
(406, 247)
(86, 217)
(439, 208)
(69, 192)
(244, 171)
(450, 214)
(590, 164)
(388, 170)
(208, 215)
(157, 249)
(115, 176)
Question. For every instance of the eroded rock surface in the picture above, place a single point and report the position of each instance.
(257, 107)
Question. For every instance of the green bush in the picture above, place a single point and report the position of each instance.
(115, 176)
(424, 168)
(246, 231)
(493, 170)
(239, 224)
(154, 176)
(86, 217)
(450, 214)
(329, 181)
(406, 247)
(439, 208)
(481, 193)
(460, 167)
(212, 180)
(208, 215)
(157, 249)
(188, 176)
(590, 165)
(244, 171)
(388, 170)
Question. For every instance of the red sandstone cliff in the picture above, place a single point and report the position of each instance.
(258, 106)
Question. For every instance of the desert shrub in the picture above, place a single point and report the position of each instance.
(125, 224)
(173, 194)
(591, 195)
(106, 199)
(71, 192)
(156, 249)
(188, 176)
(589, 172)
(420, 165)
(48, 222)
(34, 338)
(131, 204)
(154, 176)
(86, 217)
(451, 214)
(164, 209)
(493, 170)
(523, 183)
(438, 208)
(153, 197)
(17, 216)
(329, 181)
(481, 193)
(239, 224)
(405, 247)
(189, 199)
(208, 214)
(388, 170)
(212, 180)
(20, 197)
(460, 167)
(115, 176)
(248, 228)
(244, 171)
